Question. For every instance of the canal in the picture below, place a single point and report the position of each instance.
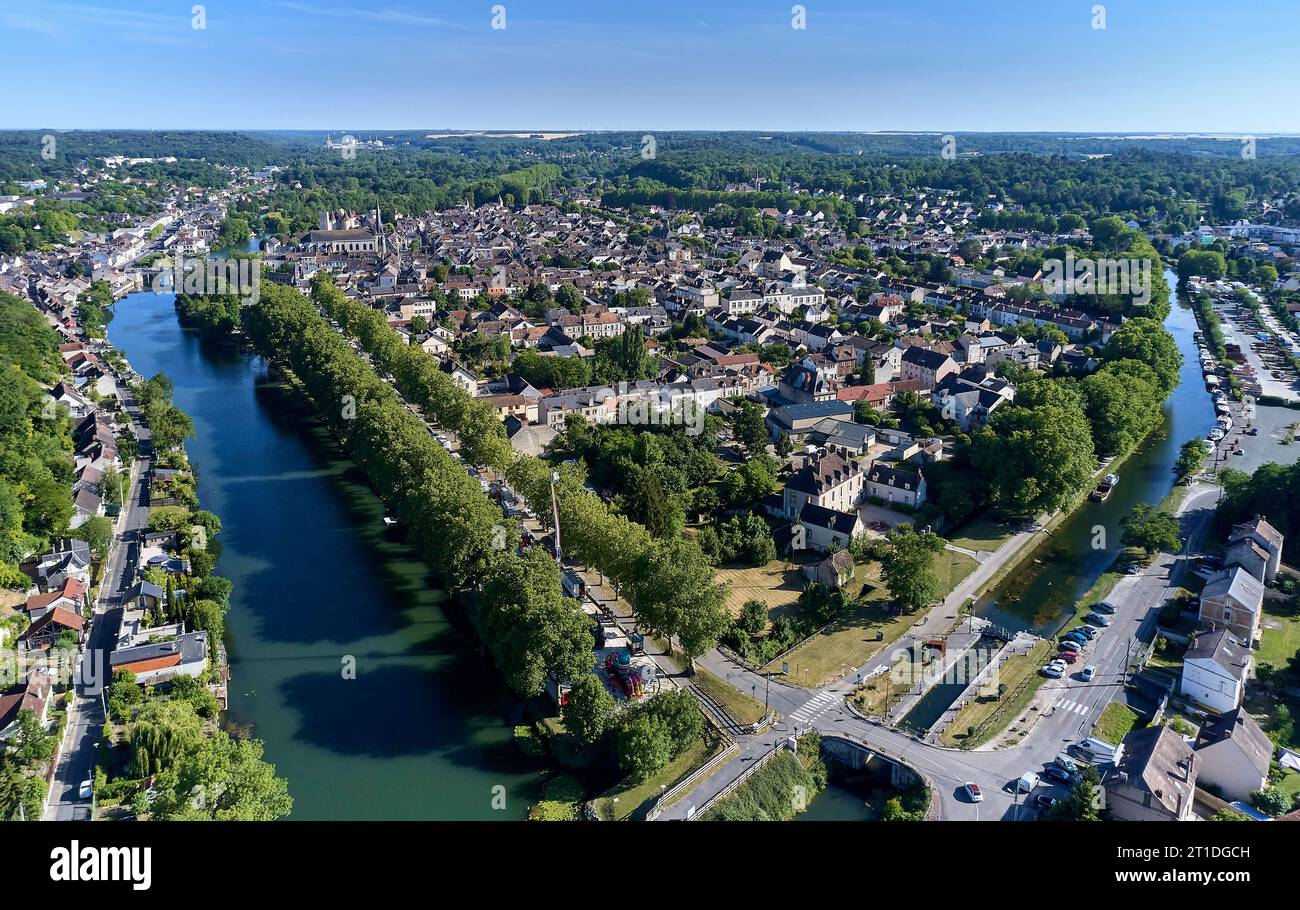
(423, 731)
(1041, 595)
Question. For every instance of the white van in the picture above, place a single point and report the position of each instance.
(1098, 750)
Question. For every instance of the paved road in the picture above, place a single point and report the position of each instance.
(76, 760)
(1071, 705)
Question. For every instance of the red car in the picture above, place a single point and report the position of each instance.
(1068, 656)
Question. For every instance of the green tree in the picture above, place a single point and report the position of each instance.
(751, 428)
(1081, 805)
(753, 616)
(645, 746)
(589, 709)
(1191, 457)
(907, 568)
(223, 779)
(1151, 529)
(98, 532)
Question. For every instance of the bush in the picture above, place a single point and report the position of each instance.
(528, 742)
(1271, 801)
(562, 800)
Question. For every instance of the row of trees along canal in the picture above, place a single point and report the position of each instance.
(515, 603)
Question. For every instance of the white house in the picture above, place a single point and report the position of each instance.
(1215, 669)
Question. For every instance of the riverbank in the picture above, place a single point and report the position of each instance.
(1041, 590)
(422, 730)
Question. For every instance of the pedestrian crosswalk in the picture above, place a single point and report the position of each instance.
(815, 707)
(1071, 707)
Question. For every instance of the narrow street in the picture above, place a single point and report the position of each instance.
(76, 758)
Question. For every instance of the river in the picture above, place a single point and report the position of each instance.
(1041, 594)
(423, 731)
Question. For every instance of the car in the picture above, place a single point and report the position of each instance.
(1239, 452)
(1045, 802)
(1089, 672)
(1071, 646)
(1253, 431)
(1098, 619)
(1064, 761)
(1059, 774)
(86, 789)
(1051, 671)
(1026, 782)
(1068, 656)
(1132, 570)
(973, 792)
(1087, 632)
(1103, 606)
(1076, 637)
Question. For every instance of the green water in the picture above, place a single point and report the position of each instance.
(1041, 594)
(423, 731)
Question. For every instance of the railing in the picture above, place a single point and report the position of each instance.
(739, 779)
(687, 783)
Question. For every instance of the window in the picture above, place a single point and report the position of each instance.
(1227, 613)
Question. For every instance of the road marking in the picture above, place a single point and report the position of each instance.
(814, 707)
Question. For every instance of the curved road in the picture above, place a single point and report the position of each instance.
(1075, 705)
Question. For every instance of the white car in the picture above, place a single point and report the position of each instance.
(1052, 672)
(1088, 673)
(1026, 782)
(86, 788)
(973, 791)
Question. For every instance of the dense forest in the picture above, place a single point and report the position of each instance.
(36, 468)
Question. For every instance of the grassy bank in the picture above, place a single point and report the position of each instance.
(978, 722)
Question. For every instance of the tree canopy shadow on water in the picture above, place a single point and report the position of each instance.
(403, 710)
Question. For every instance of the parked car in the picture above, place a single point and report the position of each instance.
(973, 792)
(86, 788)
(1132, 570)
(1060, 775)
(1087, 632)
(1076, 637)
(1071, 646)
(1103, 606)
(1051, 671)
(1068, 656)
(1045, 802)
(1088, 673)
(1098, 619)
(1064, 761)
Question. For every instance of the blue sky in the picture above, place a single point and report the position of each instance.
(945, 65)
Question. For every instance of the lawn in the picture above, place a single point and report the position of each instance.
(880, 693)
(743, 708)
(1280, 637)
(983, 534)
(952, 569)
(1117, 721)
(779, 584)
(629, 800)
(866, 629)
(1019, 669)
